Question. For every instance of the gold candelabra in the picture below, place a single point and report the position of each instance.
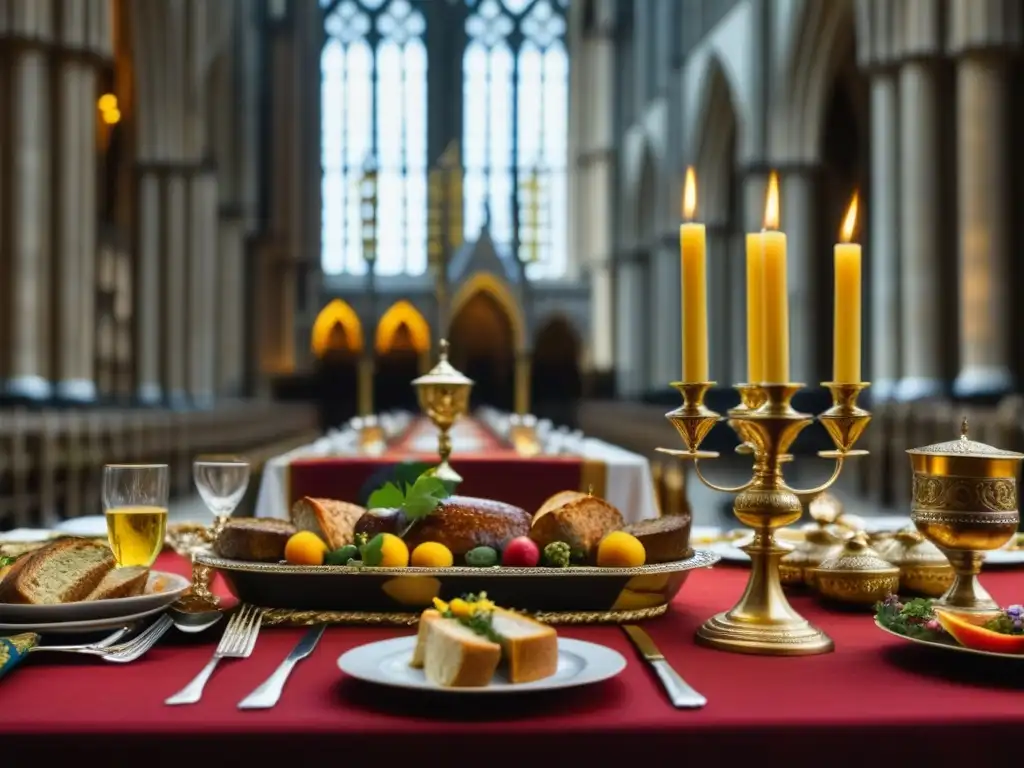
(763, 621)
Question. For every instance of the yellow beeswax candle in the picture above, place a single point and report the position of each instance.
(755, 308)
(846, 332)
(776, 295)
(693, 256)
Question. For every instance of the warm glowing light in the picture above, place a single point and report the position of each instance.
(111, 116)
(849, 221)
(690, 195)
(771, 203)
(107, 102)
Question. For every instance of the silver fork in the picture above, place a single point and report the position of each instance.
(104, 643)
(237, 643)
(121, 653)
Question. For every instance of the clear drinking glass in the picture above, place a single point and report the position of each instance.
(221, 482)
(135, 505)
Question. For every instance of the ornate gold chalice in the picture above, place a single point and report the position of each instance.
(443, 394)
(965, 502)
(763, 621)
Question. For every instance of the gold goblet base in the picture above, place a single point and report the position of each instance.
(763, 622)
(966, 594)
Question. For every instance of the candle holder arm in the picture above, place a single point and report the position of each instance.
(839, 460)
(721, 488)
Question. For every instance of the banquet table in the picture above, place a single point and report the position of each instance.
(489, 469)
(876, 699)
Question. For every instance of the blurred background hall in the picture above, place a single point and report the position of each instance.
(219, 217)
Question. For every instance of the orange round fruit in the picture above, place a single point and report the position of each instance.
(305, 548)
(620, 550)
(431, 554)
(393, 552)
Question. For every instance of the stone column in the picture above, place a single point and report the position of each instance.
(148, 279)
(30, 204)
(174, 288)
(884, 235)
(202, 287)
(980, 34)
(919, 233)
(630, 373)
(231, 307)
(88, 250)
(799, 210)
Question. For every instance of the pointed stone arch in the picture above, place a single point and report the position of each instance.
(497, 289)
(714, 145)
(824, 37)
(402, 313)
(336, 312)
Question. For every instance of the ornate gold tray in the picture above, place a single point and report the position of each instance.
(299, 594)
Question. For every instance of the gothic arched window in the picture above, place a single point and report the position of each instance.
(515, 129)
(374, 112)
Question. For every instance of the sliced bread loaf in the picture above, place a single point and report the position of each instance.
(121, 582)
(529, 648)
(66, 571)
(332, 520)
(455, 656)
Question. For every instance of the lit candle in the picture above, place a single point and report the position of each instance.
(776, 296)
(846, 340)
(693, 251)
(755, 308)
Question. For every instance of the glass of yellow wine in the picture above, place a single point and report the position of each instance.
(135, 504)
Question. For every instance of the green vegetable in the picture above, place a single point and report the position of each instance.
(913, 618)
(373, 551)
(409, 472)
(343, 555)
(482, 557)
(557, 554)
(417, 502)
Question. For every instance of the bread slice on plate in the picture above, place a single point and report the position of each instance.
(457, 657)
(528, 648)
(578, 519)
(420, 650)
(665, 539)
(66, 571)
(253, 539)
(332, 520)
(121, 582)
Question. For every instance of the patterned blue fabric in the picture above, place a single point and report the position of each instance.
(15, 648)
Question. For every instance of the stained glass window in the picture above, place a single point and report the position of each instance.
(515, 129)
(374, 115)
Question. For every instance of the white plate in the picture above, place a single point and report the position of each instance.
(170, 585)
(1005, 557)
(387, 663)
(26, 536)
(81, 627)
(90, 527)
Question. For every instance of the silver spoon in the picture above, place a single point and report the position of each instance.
(193, 621)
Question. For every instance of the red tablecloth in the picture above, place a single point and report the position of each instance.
(494, 472)
(876, 700)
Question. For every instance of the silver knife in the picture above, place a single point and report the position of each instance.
(679, 692)
(269, 692)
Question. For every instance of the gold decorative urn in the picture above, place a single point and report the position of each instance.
(965, 502)
(443, 395)
(856, 574)
(924, 570)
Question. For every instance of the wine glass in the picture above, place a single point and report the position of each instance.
(135, 506)
(221, 482)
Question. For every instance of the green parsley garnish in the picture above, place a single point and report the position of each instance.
(417, 501)
(913, 618)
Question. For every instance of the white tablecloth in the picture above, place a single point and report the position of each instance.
(629, 485)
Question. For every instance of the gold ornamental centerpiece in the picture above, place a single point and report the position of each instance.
(924, 570)
(443, 395)
(965, 502)
(763, 621)
(856, 574)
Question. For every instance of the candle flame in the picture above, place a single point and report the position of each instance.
(689, 194)
(849, 221)
(771, 203)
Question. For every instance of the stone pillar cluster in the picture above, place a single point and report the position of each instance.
(48, 206)
(905, 48)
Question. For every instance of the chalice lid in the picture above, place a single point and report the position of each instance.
(965, 447)
(444, 373)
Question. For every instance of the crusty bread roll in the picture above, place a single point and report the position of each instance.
(253, 539)
(579, 519)
(332, 520)
(665, 539)
(461, 523)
